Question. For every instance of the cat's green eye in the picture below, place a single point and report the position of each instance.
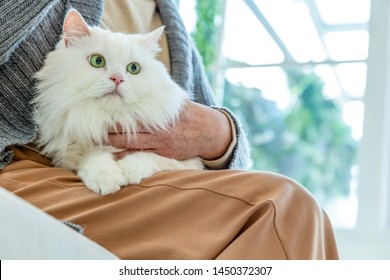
(133, 68)
(97, 61)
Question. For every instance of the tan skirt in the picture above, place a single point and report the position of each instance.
(188, 214)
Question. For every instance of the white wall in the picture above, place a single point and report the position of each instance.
(371, 237)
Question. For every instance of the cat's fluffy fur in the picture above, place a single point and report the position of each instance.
(76, 104)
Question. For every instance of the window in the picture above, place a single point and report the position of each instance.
(296, 72)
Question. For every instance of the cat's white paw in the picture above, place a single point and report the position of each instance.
(100, 173)
(103, 180)
(192, 163)
(135, 170)
(141, 165)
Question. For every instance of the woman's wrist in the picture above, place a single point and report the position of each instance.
(223, 161)
(220, 127)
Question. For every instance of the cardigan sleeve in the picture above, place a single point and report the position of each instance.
(239, 157)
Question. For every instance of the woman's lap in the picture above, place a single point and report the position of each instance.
(188, 214)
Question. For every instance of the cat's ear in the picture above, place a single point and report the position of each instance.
(151, 40)
(75, 27)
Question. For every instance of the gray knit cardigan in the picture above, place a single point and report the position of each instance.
(29, 29)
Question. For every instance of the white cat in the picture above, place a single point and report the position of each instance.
(93, 80)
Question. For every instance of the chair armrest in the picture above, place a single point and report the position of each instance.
(27, 232)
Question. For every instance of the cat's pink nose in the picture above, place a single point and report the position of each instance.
(117, 79)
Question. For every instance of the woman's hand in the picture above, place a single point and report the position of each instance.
(200, 131)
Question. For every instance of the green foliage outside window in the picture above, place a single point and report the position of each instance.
(208, 35)
(307, 142)
(208, 29)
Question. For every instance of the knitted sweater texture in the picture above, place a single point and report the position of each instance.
(29, 29)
